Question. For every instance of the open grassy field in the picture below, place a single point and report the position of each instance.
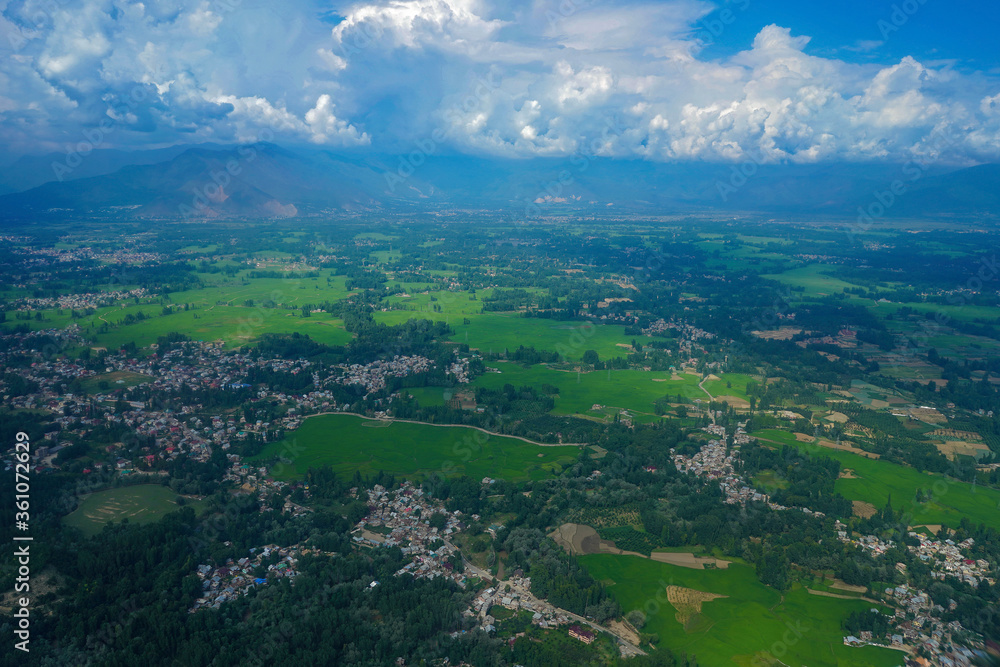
(815, 279)
(348, 443)
(496, 331)
(291, 291)
(499, 331)
(430, 396)
(819, 280)
(235, 325)
(630, 389)
(143, 503)
(738, 382)
(875, 480)
(112, 381)
(751, 625)
(440, 305)
(221, 312)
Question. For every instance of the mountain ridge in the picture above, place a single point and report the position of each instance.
(266, 180)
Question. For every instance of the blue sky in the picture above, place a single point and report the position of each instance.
(851, 29)
(669, 80)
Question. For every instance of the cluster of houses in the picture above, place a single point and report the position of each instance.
(515, 595)
(687, 331)
(236, 578)
(460, 369)
(947, 559)
(714, 462)
(372, 376)
(78, 301)
(876, 545)
(186, 365)
(916, 621)
(254, 479)
(402, 518)
(48, 256)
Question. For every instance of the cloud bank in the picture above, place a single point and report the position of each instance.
(546, 78)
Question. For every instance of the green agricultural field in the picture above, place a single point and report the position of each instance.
(348, 443)
(966, 313)
(143, 503)
(737, 380)
(386, 256)
(753, 625)
(235, 325)
(430, 396)
(875, 480)
(292, 291)
(630, 389)
(816, 279)
(440, 305)
(497, 332)
(198, 250)
(500, 331)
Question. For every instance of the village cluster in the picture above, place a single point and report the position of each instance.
(916, 621)
(687, 331)
(372, 376)
(915, 624)
(80, 301)
(715, 462)
(236, 578)
(183, 367)
(403, 518)
(515, 595)
(39, 256)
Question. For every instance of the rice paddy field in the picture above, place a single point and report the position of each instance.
(873, 481)
(578, 392)
(726, 617)
(234, 325)
(348, 443)
(499, 331)
(819, 280)
(236, 310)
(143, 503)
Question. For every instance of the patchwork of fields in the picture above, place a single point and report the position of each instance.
(751, 624)
(873, 481)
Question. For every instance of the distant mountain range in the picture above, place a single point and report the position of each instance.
(265, 180)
